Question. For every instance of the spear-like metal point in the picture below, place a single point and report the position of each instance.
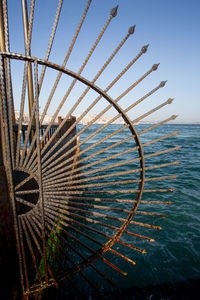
(132, 29)
(162, 84)
(170, 100)
(155, 67)
(174, 117)
(144, 48)
(113, 11)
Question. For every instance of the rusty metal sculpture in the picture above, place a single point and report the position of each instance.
(71, 200)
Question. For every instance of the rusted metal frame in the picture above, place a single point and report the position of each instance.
(27, 42)
(96, 199)
(41, 197)
(30, 226)
(29, 132)
(73, 204)
(94, 154)
(54, 181)
(5, 46)
(66, 255)
(68, 72)
(30, 247)
(90, 123)
(27, 192)
(87, 247)
(21, 114)
(67, 186)
(73, 248)
(27, 36)
(66, 59)
(20, 200)
(143, 50)
(90, 228)
(32, 175)
(105, 224)
(8, 164)
(75, 80)
(116, 164)
(141, 185)
(63, 174)
(112, 192)
(117, 143)
(65, 180)
(131, 31)
(61, 157)
(49, 218)
(139, 133)
(51, 39)
(24, 258)
(77, 252)
(69, 91)
(122, 220)
(30, 221)
(169, 101)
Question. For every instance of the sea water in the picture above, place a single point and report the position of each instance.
(175, 254)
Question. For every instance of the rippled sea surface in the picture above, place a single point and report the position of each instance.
(175, 254)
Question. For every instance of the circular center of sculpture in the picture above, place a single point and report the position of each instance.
(26, 191)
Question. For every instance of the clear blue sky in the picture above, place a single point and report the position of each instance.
(172, 28)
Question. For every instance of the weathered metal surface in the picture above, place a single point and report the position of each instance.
(71, 200)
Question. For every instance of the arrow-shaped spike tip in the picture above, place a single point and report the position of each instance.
(144, 48)
(162, 84)
(155, 67)
(132, 29)
(174, 117)
(170, 100)
(113, 11)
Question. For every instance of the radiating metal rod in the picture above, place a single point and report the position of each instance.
(131, 31)
(60, 74)
(143, 50)
(27, 38)
(91, 228)
(67, 186)
(59, 198)
(113, 165)
(80, 242)
(79, 72)
(30, 249)
(73, 148)
(23, 258)
(103, 207)
(5, 46)
(49, 181)
(66, 59)
(123, 220)
(55, 175)
(90, 123)
(51, 39)
(105, 224)
(67, 256)
(60, 236)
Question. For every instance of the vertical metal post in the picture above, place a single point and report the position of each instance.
(9, 272)
(28, 52)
